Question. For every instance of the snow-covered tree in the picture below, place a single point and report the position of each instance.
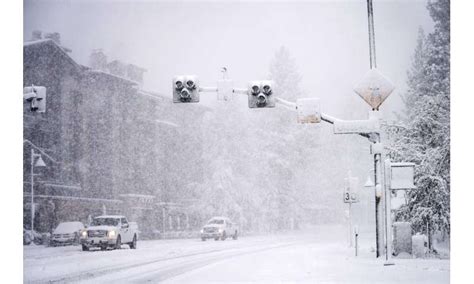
(422, 135)
(284, 72)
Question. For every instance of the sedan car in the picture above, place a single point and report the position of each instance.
(66, 233)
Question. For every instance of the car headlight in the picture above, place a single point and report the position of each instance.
(84, 234)
(111, 234)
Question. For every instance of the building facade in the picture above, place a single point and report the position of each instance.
(107, 140)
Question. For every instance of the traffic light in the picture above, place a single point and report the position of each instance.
(36, 96)
(185, 89)
(260, 94)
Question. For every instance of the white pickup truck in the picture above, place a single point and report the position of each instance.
(219, 228)
(109, 231)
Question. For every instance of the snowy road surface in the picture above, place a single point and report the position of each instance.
(316, 256)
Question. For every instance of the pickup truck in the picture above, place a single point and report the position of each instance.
(219, 228)
(109, 231)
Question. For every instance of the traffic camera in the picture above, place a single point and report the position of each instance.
(260, 94)
(185, 89)
(36, 96)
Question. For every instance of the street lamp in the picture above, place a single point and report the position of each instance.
(39, 163)
(369, 183)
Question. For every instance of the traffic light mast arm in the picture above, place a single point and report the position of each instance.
(293, 106)
(328, 118)
(289, 105)
(240, 91)
(208, 89)
(324, 117)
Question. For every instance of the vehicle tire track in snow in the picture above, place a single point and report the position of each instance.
(91, 274)
(115, 268)
(171, 271)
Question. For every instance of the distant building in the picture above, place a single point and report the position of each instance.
(117, 68)
(102, 131)
(135, 73)
(36, 35)
(55, 36)
(128, 71)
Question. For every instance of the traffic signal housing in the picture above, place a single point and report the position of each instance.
(185, 89)
(36, 97)
(260, 94)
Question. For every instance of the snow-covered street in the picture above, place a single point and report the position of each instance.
(317, 255)
(234, 142)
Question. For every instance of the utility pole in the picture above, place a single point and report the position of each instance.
(39, 163)
(32, 190)
(378, 167)
(378, 198)
(370, 15)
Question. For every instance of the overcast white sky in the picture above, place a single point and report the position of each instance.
(328, 40)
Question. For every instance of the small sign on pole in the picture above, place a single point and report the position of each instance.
(356, 126)
(309, 110)
(350, 194)
(402, 176)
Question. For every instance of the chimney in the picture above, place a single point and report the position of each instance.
(56, 37)
(36, 35)
(98, 60)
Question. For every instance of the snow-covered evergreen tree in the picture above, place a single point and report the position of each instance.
(284, 72)
(422, 136)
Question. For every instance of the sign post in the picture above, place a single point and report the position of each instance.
(356, 233)
(403, 175)
(398, 176)
(350, 196)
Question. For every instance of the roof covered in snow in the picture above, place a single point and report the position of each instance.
(110, 216)
(111, 76)
(49, 42)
